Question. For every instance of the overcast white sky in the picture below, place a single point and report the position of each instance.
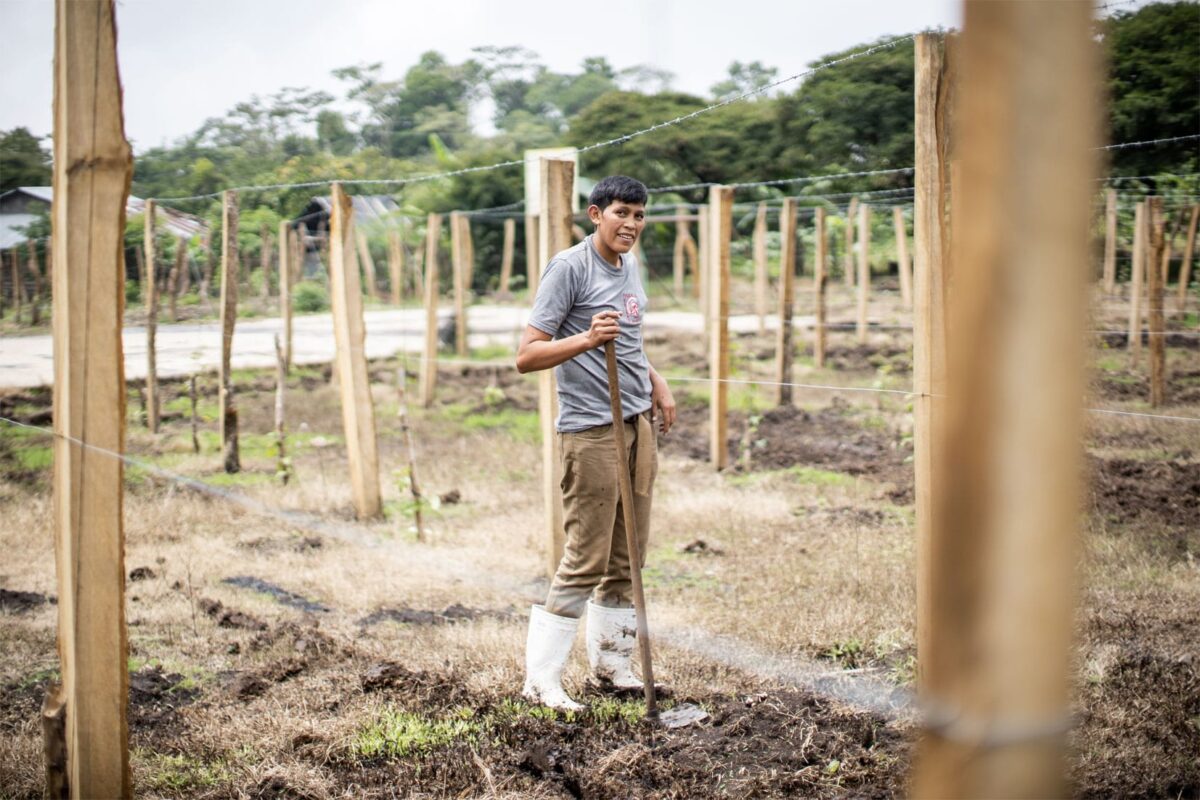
(183, 61)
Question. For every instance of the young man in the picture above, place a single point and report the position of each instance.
(589, 295)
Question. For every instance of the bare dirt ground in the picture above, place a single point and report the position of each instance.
(313, 656)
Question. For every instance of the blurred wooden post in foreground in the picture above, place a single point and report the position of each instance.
(760, 266)
(784, 343)
(1185, 269)
(1007, 500)
(506, 257)
(1110, 241)
(354, 378)
(93, 165)
(903, 264)
(1156, 290)
(458, 271)
(229, 296)
(848, 264)
(720, 230)
(428, 373)
(820, 277)
(555, 180)
(1136, 279)
(934, 92)
(864, 270)
(287, 254)
(150, 287)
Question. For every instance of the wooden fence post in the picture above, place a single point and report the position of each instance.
(1136, 279)
(848, 264)
(903, 264)
(14, 262)
(678, 263)
(556, 182)
(364, 260)
(206, 271)
(354, 378)
(35, 306)
(1185, 269)
(458, 265)
(996, 725)
(1110, 241)
(428, 375)
(1156, 290)
(396, 266)
(506, 258)
(287, 254)
(177, 269)
(264, 258)
(468, 253)
(864, 269)
(784, 345)
(93, 165)
(702, 248)
(418, 273)
(760, 266)
(934, 91)
(227, 412)
(533, 269)
(820, 277)
(150, 287)
(720, 229)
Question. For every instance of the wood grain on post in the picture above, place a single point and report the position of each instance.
(354, 379)
(533, 269)
(506, 258)
(864, 269)
(428, 374)
(934, 89)
(150, 241)
(760, 266)
(820, 278)
(557, 181)
(1185, 269)
(287, 255)
(848, 261)
(903, 264)
(720, 230)
(1008, 502)
(1110, 241)
(458, 270)
(784, 344)
(227, 405)
(1156, 290)
(1136, 279)
(93, 166)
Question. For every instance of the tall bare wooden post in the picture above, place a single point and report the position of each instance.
(14, 263)
(1156, 290)
(264, 258)
(720, 230)
(1136, 279)
(177, 268)
(287, 254)
(678, 264)
(698, 287)
(1008, 503)
(848, 262)
(428, 375)
(820, 278)
(354, 379)
(150, 287)
(458, 265)
(903, 264)
(784, 344)
(1185, 269)
(760, 266)
(468, 254)
(365, 260)
(93, 166)
(533, 270)
(227, 413)
(556, 181)
(1110, 241)
(35, 307)
(934, 92)
(864, 269)
(506, 257)
(395, 266)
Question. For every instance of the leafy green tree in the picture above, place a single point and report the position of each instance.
(23, 160)
(744, 78)
(333, 134)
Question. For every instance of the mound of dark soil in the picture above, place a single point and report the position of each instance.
(17, 602)
(1126, 490)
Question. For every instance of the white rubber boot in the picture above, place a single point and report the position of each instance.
(546, 651)
(611, 636)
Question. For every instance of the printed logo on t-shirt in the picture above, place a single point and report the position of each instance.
(632, 310)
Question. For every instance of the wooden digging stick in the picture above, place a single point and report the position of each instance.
(635, 556)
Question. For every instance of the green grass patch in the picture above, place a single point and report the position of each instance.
(521, 425)
(611, 709)
(403, 733)
(811, 476)
(174, 773)
(34, 458)
(492, 352)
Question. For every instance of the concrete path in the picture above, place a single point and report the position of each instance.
(27, 361)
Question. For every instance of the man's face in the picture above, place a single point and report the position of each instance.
(619, 225)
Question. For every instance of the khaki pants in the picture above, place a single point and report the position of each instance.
(596, 555)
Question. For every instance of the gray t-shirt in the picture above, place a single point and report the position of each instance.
(576, 285)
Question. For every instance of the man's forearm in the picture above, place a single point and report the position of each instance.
(538, 355)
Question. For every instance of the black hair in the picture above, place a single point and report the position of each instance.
(618, 187)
